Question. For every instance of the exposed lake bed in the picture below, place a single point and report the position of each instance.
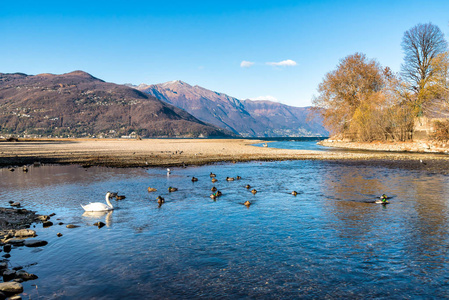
(190, 152)
(329, 241)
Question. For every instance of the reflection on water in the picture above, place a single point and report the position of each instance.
(329, 241)
(99, 215)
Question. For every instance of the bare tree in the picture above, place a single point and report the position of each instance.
(421, 45)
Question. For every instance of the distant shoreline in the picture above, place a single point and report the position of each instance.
(411, 147)
(187, 152)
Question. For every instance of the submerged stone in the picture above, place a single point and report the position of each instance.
(25, 275)
(9, 275)
(15, 241)
(47, 223)
(35, 243)
(99, 224)
(71, 226)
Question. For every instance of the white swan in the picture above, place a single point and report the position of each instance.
(98, 206)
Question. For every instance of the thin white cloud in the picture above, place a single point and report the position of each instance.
(267, 97)
(246, 64)
(284, 63)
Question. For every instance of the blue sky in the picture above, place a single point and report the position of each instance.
(286, 46)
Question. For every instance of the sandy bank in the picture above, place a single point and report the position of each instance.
(415, 147)
(179, 152)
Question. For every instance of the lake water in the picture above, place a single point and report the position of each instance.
(298, 143)
(329, 241)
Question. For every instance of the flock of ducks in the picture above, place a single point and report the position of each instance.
(215, 192)
(98, 206)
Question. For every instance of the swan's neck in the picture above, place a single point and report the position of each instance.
(107, 200)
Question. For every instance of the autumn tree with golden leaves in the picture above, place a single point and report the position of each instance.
(361, 100)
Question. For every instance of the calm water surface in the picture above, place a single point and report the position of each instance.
(330, 241)
(299, 143)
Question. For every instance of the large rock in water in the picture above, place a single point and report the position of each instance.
(15, 241)
(11, 287)
(25, 275)
(25, 233)
(9, 275)
(35, 243)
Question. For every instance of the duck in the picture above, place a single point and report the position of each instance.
(98, 206)
(294, 193)
(150, 189)
(230, 178)
(25, 169)
(248, 186)
(120, 197)
(213, 189)
(219, 193)
(238, 177)
(172, 189)
(213, 196)
(160, 200)
(194, 179)
(212, 175)
(254, 191)
(247, 203)
(214, 179)
(383, 199)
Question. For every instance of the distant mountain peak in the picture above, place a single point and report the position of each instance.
(80, 73)
(46, 75)
(77, 73)
(247, 117)
(175, 83)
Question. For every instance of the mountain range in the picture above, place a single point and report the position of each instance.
(244, 117)
(78, 104)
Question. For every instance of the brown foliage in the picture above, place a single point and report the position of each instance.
(362, 101)
(344, 89)
(441, 132)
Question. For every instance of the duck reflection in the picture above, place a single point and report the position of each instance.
(99, 215)
(414, 225)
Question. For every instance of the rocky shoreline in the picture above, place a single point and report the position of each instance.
(14, 233)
